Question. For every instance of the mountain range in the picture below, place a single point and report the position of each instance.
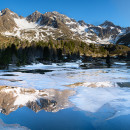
(56, 26)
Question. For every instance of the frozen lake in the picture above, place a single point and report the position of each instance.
(67, 96)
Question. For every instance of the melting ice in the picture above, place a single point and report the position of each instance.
(94, 87)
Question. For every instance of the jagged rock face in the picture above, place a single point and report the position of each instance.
(105, 32)
(49, 20)
(9, 13)
(82, 23)
(34, 17)
(51, 100)
(125, 40)
(52, 17)
(127, 29)
(109, 29)
(55, 20)
(56, 26)
(7, 22)
(107, 24)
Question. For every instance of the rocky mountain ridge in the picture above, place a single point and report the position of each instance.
(56, 26)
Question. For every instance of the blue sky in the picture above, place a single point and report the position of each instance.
(91, 11)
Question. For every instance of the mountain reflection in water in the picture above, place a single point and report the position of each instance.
(65, 96)
(51, 100)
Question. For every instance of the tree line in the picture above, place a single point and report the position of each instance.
(24, 52)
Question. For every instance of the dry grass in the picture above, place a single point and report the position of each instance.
(74, 85)
(2, 87)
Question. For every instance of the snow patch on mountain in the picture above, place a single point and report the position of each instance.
(1, 13)
(24, 24)
(105, 40)
(121, 32)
